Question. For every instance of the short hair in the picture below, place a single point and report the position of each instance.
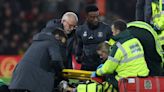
(60, 32)
(104, 46)
(91, 8)
(120, 24)
(67, 14)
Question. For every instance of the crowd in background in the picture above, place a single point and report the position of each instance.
(21, 19)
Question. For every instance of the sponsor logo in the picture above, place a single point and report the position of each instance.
(147, 84)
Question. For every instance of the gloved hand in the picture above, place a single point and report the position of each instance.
(100, 66)
(96, 78)
(93, 75)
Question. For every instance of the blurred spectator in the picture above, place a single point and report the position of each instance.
(26, 17)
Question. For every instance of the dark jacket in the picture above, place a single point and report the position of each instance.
(39, 66)
(71, 41)
(71, 45)
(147, 40)
(53, 24)
(88, 40)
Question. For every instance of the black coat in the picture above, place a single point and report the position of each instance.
(35, 72)
(56, 24)
(71, 45)
(88, 40)
(71, 42)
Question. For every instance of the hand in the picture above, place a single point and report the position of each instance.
(96, 78)
(93, 75)
(100, 66)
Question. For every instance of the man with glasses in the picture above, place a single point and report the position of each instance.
(89, 35)
(68, 23)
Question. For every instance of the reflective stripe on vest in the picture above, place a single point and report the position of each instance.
(160, 5)
(146, 26)
(132, 58)
(113, 59)
(126, 59)
(161, 37)
(118, 44)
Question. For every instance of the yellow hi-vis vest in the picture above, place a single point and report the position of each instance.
(146, 26)
(156, 7)
(160, 5)
(158, 21)
(161, 37)
(157, 15)
(128, 61)
(111, 42)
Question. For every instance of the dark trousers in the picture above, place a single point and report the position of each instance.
(144, 10)
(19, 90)
(113, 81)
(91, 62)
(88, 68)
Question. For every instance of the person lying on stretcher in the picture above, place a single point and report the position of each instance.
(65, 87)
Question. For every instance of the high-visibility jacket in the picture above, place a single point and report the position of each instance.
(156, 7)
(111, 42)
(161, 37)
(157, 15)
(146, 26)
(158, 22)
(126, 58)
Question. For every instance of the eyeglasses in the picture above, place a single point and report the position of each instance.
(71, 26)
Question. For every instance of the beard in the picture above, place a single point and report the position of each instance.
(92, 26)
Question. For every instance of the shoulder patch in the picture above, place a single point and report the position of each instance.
(100, 34)
(85, 34)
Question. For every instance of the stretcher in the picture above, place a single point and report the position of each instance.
(84, 80)
(77, 74)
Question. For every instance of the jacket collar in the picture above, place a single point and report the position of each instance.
(122, 35)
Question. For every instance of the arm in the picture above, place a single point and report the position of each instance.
(108, 68)
(109, 33)
(56, 61)
(79, 47)
(140, 10)
(148, 10)
(111, 63)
